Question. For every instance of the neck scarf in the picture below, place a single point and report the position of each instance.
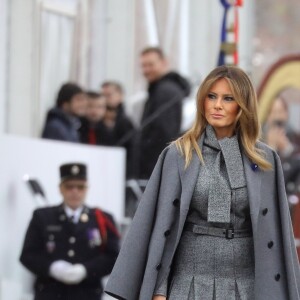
(220, 192)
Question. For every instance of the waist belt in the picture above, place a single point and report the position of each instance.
(228, 233)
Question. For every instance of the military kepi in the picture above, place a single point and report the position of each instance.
(73, 171)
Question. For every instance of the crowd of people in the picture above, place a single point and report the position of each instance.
(99, 117)
(71, 247)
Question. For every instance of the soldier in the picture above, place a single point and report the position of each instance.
(70, 247)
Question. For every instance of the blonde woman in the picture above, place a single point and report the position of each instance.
(214, 220)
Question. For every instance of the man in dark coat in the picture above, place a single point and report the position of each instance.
(161, 119)
(63, 122)
(70, 247)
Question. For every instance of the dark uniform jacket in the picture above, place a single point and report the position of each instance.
(51, 237)
(168, 91)
(60, 126)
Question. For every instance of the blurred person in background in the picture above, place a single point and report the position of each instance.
(118, 123)
(93, 130)
(115, 117)
(277, 132)
(63, 121)
(70, 247)
(279, 135)
(161, 118)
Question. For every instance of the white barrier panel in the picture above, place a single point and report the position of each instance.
(40, 159)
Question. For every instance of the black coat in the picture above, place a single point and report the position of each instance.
(122, 135)
(169, 91)
(103, 135)
(60, 126)
(123, 126)
(50, 237)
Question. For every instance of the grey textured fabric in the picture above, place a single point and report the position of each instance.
(162, 290)
(227, 164)
(212, 268)
(240, 210)
(215, 268)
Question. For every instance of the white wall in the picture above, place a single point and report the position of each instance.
(41, 159)
(247, 32)
(205, 25)
(56, 41)
(120, 52)
(21, 70)
(112, 42)
(3, 61)
(98, 51)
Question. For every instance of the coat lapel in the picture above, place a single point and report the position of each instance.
(253, 178)
(189, 178)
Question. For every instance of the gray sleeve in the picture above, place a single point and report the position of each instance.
(132, 258)
(162, 290)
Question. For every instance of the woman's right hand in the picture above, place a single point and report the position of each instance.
(159, 298)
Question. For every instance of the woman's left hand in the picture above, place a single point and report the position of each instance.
(159, 298)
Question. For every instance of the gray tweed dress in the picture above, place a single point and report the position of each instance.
(208, 267)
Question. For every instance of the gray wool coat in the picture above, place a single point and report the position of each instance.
(147, 252)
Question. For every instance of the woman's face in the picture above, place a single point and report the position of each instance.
(221, 109)
(78, 105)
(278, 113)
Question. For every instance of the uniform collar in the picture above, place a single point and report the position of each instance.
(73, 213)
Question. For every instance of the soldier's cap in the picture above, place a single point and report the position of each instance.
(73, 171)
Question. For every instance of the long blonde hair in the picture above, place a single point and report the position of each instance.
(247, 125)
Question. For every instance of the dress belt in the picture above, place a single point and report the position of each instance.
(228, 233)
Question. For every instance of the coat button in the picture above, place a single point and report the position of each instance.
(176, 202)
(72, 240)
(270, 244)
(167, 233)
(71, 253)
(265, 211)
(254, 167)
(158, 267)
(51, 237)
(62, 218)
(277, 277)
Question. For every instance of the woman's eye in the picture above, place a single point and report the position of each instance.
(229, 99)
(211, 96)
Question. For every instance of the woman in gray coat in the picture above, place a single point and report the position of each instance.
(214, 220)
